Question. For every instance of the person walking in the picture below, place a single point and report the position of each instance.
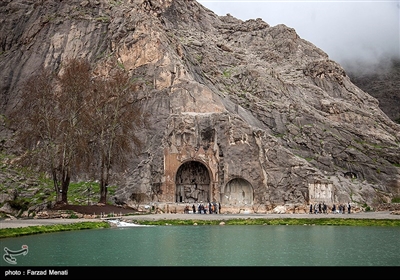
(215, 207)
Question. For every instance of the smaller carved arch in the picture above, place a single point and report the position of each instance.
(238, 192)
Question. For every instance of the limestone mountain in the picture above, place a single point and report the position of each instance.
(241, 112)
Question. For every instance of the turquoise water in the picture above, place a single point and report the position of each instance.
(212, 246)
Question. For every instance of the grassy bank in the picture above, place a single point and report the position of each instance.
(15, 232)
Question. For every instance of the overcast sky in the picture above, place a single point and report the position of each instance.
(350, 32)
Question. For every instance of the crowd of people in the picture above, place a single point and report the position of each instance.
(317, 208)
(211, 208)
(322, 208)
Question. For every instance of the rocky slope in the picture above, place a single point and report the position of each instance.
(241, 112)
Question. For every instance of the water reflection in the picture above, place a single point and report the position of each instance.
(213, 246)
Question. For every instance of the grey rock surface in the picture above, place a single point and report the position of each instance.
(240, 112)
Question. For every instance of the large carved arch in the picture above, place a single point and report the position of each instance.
(192, 183)
(238, 192)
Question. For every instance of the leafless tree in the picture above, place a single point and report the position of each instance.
(74, 122)
(75, 87)
(50, 120)
(115, 119)
(37, 125)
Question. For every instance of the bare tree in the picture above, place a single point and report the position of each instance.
(49, 123)
(115, 117)
(75, 86)
(73, 123)
(37, 125)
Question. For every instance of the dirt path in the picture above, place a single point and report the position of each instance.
(97, 209)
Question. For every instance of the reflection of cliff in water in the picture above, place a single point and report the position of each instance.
(192, 183)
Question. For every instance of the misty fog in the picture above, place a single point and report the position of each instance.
(360, 35)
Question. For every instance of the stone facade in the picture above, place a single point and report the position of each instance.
(213, 157)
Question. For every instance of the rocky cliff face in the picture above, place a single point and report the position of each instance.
(244, 113)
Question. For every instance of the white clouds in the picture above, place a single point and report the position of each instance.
(348, 31)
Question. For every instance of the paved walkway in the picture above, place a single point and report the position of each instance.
(362, 215)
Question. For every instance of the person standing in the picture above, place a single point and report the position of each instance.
(311, 208)
(348, 208)
(219, 208)
(194, 209)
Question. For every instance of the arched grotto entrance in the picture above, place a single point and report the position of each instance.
(192, 183)
(237, 192)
